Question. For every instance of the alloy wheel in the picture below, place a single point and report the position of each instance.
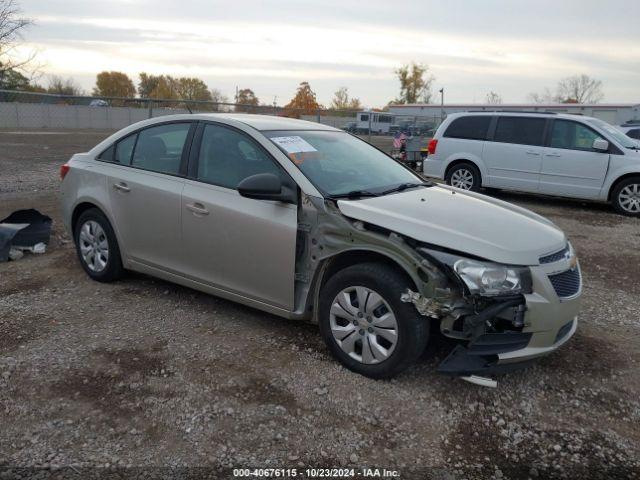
(629, 198)
(363, 325)
(94, 246)
(462, 178)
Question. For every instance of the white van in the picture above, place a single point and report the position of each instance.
(378, 122)
(554, 154)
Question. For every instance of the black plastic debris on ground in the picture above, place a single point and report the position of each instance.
(23, 229)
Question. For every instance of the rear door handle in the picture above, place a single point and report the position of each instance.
(122, 187)
(532, 152)
(553, 155)
(197, 208)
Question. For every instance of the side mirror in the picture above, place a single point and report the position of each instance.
(265, 186)
(600, 145)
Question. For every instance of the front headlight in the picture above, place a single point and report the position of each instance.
(492, 278)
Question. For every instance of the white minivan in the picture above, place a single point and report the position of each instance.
(554, 154)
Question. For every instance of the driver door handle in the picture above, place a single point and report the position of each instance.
(532, 152)
(552, 154)
(197, 208)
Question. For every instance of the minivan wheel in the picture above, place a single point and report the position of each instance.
(364, 323)
(97, 246)
(626, 197)
(465, 176)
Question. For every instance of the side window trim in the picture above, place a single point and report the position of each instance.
(194, 157)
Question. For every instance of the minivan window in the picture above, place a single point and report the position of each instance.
(617, 135)
(520, 130)
(635, 133)
(469, 127)
(572, 135)
(124, 149)
(228, 156)
(159, 149)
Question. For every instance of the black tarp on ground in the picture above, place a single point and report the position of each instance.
(23, 228)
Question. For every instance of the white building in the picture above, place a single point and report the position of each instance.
(614, 113)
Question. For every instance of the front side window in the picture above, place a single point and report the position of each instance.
(634, 133)
(520, 130)
(338, 163)
(228, 156)
(159, 149)
(572, 135)
(469, 127)
(364, 118)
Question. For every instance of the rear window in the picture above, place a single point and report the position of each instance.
(520, 130)
(635, 133)
(469, 127)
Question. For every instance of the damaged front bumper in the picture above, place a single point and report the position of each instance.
(509, 333)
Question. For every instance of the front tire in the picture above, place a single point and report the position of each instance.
(97, 246)
(626, 197)
(465, 176)
(366, 326)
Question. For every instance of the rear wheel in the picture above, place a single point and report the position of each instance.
(97, 246)
(626, 197)
(465, 176)
(364, 323)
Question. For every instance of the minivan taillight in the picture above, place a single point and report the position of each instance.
(433, 143)
(64, 169)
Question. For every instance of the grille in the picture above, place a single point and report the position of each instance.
(554, 257)
(566, 284)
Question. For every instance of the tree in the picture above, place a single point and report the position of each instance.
(545, 97)
(11, 79)
(147, 84)
(303, 102)
(113, 84)
(580, 89)
(493, 98)
(415, 83)
(61, 86)
(246, 97)
(341, 100)
(218, 98)
(193, 89)
(12, 23)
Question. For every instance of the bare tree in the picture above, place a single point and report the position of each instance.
(494, 98)
(580, 89)
(545, 97)
(218, 97)
(62, 86)
(11, 25)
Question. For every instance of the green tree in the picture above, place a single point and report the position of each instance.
(248, 98)
(147, 84)
(193, 89)
(113, 84)
(11, 79)
(341, 100)
(415, 83)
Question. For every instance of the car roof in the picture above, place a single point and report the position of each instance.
(524, 113)
(259, 122)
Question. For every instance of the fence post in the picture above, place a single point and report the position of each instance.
(318, 115)
(17, 115)
(76, 112)
(150, 108)
(370, 115)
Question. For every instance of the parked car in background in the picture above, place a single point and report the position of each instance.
(554, 154)
(308, 222)
(631, 129)
(98, 102)
(350, 127)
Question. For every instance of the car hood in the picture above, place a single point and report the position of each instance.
(463, 221)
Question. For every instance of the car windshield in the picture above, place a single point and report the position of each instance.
(339, 164)
(617, 135)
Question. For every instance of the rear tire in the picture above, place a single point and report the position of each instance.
(374, 334)
(97, 247)
(465, 176)
(625, 198)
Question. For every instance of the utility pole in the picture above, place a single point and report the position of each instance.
(275, 107)
(441, 104)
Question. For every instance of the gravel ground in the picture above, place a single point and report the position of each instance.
(143, 373)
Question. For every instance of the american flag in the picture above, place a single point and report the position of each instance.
(398, 138)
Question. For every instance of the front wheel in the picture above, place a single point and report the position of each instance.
(366, 326)
(626, 197)
(465, 176)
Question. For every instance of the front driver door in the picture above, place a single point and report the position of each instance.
(242, 245)
(570, 166)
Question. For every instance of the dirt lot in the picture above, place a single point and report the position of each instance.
(145, 373)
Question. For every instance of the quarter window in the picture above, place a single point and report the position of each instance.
(572, 135)
(159, 149)
(469, 127)
(124, 149)
(520, 130)
(227, 157)
(107, 155)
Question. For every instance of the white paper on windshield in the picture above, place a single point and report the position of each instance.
(293, 144)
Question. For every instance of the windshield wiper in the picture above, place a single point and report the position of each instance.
(404, 186)
(353, 194)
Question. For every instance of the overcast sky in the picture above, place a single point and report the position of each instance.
(472, 47)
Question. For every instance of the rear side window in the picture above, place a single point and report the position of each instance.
(520, 130)
(635, 133)
(572, 135)
(107, 155)
(470, 127)
(159, 149)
